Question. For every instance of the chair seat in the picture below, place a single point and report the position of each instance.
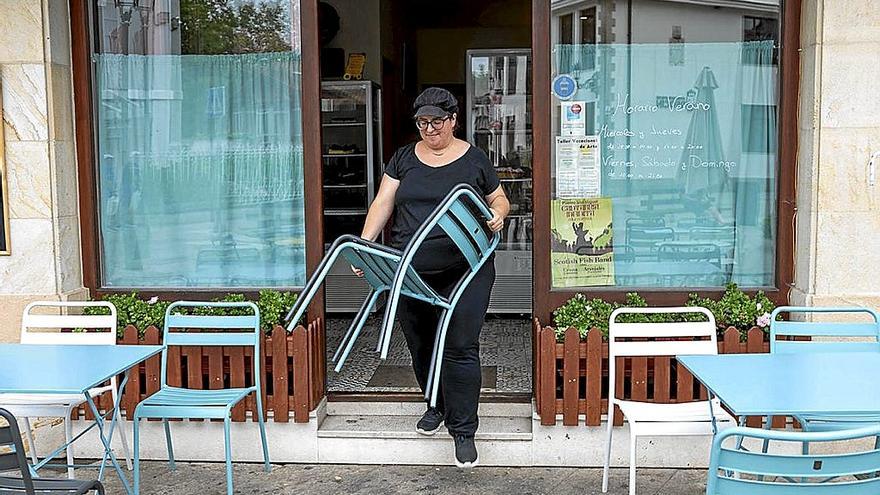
(61, 400)
(675, 419)
(174, 402)
(46, 486)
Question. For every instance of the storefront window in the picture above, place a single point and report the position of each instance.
(664, 145)
(199, 143)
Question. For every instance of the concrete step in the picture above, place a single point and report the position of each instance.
(403, 427)
(487, 409)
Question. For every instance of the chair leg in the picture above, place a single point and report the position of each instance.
(767, 426)
(438, 356)
(120, 426)
(68, 437)
(262, 424)
(356, 323)
(169, 445)
(228, 456)
(355, 330)
(607, 466)
(632, 460)
(30, 439)
(429, 385)
(135, 423)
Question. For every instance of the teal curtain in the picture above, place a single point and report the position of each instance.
(201, 170)
(688, 136)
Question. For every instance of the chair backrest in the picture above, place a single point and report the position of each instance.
(14, 459)
(248, 327)
(462, 215)
(696, 337)
(734, 471)
(855, 336)
(689, 252)
(31, 321)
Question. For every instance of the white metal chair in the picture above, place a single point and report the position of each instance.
(650, 419)
(61, 405)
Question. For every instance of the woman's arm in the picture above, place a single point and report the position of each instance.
(500, 207)
(380, 210)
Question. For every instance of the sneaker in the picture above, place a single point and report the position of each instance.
(465, 451)
(431, 421)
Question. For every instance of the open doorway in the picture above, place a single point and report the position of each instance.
(479, 51)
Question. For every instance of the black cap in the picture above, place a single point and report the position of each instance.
(435, 102)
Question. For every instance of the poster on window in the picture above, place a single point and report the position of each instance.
(578, 167)
(581, 245)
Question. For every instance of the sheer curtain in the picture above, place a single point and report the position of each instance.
(688, 157)
(200, 168)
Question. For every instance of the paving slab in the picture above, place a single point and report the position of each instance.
(329, 479)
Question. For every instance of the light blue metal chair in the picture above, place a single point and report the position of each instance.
(183, 403)
(462, 215)
(733, 471)
(850, 337)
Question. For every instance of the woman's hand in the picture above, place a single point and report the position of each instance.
(497, 221)
(357, 271)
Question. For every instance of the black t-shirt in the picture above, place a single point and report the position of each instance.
(422, 188)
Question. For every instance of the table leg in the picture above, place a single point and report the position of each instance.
(108, 451)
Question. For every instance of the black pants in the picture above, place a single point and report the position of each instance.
(460, 377)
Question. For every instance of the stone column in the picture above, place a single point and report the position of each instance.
(838, 219)
(40, 159)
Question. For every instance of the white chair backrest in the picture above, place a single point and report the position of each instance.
(30, 322)
(620, 335)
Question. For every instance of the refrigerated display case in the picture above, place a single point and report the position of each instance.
(351, 136)
(499, 122)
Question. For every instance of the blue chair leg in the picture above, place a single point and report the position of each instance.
(168, 444)
(137, 454)
(767, 426)
(228, 456)
(262, 424)
(356, 323)
(356, 328)
(438, 356)
(430, 383)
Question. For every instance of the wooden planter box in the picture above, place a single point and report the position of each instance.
(571, 377)
(292, 364)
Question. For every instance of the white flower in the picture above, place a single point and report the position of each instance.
(153, 300)
(763, 320)
(758, 305)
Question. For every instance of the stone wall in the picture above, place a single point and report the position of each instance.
(40, 159)
(838, 220)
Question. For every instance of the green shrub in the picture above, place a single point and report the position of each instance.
(734, 309)
(737, 309)
(142, 313)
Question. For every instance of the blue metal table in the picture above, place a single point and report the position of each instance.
(73, 369)
(791, 384)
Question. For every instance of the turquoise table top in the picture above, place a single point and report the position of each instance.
(788, 384)
(65, 369)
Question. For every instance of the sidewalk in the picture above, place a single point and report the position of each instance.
(323, 479)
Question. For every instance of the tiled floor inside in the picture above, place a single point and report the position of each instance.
(505, 355)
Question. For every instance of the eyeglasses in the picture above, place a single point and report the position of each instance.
(436, 124)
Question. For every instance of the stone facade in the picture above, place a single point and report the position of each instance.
(35, 72)
(837, 260)
(838, 212)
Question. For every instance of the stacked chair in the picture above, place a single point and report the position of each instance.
(462, 215)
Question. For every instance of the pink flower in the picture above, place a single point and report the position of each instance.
(153, 300)
(763, 320)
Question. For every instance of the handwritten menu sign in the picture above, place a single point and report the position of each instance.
(669, 136)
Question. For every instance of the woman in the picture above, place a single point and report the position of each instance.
(416, 180)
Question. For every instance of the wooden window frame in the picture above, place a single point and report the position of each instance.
(546, 298)
(81, 53)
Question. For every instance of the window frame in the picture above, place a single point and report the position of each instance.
(546, 298)
(82, 22)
